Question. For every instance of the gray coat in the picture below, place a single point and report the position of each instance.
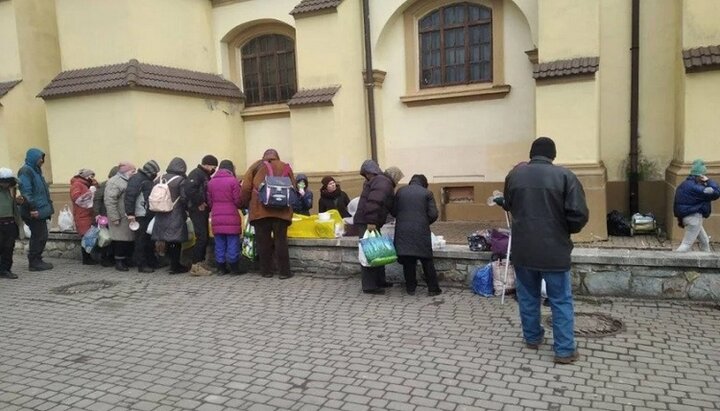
(414, 210)
(115, 204)
(172, 227)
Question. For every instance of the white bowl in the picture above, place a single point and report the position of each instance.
(324, 216)
(134, 225)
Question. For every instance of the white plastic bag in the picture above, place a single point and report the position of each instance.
(65, 219)
(27, 230)
(499, 277)
(361, 255)
(150, 227)
(86, 200)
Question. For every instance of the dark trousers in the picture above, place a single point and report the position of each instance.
(122, 249)
(410, 271)
(144, 253)
(38, 238)
(200, 224)
(271, 237)
(8, 235)
(373, 278)
(174, 252)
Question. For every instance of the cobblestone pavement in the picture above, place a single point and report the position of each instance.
(160, 342)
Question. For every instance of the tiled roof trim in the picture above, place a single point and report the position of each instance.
(702, 58)
(134, 74)
(318, 96)
(311, 6)
(563, 68)
(7, 86)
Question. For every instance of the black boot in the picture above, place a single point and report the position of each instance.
(121, 265)
(87, 258)
(236, 269)
(222, 269)
(145, 269)
(39, 265)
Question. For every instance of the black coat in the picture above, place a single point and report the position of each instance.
(414, 211)
(139, 183)
(547, 203)
(171, 227)
(376, 201)
(196, 188)
(339, 202)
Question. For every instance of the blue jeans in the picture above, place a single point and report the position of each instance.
(227, 248)
(559, 291)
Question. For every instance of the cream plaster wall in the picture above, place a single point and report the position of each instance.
(700, 23)
(137, 126)
(9, 50)
(261, 134)
(469, 141)
(615, 33)
(702, 123)
(174, 33)
(568, 29)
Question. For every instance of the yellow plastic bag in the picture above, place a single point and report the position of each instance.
(311, 227)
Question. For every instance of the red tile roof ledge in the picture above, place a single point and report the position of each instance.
(313, 6)
(581, 66)
(314, 97)
(136, 75)
(701, 59)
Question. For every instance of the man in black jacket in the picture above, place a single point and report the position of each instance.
(547, 204)
(136, 207)
(196, 191)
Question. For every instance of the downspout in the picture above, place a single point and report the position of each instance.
(369, 80)
(634, 97)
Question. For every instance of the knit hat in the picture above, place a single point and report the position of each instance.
(86, 173)
(151, 168)
(210, 160)
(543, 146)
(6, 173)
(326, 180)
(227, 165)
(698, 168)
(125, 167)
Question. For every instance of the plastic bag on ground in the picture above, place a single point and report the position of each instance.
(498, 272)
(482, 281)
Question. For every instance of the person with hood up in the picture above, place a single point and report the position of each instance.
(395, 174)
(547, 204)
(304, 200)
(414, 212)
(171, 227)
(37, 208)
(692, 204)
(106, 253)
(10, 221)
(224, 199)
(82, 186)
(119, 224)
(376, 202)
(333, 198)
(195, 190)
(137, 209)
(271, 224)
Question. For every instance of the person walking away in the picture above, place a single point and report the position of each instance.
(119, 225)
(82, 186)
(107, 259)
(376, 202)
(10, 221)
(415, 210)
(692, 204)
(171, 227)
(271, 224)
(547, 203)
(304, 200)
(37, 208)
(136, 207)
(224, 199)
(333, 198)
(195, 190)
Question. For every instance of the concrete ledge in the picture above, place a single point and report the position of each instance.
(596, 272)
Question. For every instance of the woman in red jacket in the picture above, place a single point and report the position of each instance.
(82, 190)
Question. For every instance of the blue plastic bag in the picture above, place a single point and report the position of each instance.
(482, 281)
(90, 239)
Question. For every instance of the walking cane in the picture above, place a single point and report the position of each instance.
(491, 202)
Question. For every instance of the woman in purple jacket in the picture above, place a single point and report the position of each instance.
(224, 200)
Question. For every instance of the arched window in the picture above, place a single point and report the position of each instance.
(456, 45)
(268, 69)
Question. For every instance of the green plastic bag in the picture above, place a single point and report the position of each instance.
(249, 246)
(378, 249)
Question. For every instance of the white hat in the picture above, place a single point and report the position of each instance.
(6, 173)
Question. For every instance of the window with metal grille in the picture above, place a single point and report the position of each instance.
(268, 69)
(456, 45)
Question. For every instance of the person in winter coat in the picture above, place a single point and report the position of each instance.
(692, 204)
(271, 224)
(395, 174)
(547, 203)
(10, 221)
(224, 199)
(195, 190)
(136, 207)
(81, 188)
(171, 227)
(376, 202)
(107, 259)
(37, 207)
(414, 211)
(304, 201)
(120, 233)
(332, 197)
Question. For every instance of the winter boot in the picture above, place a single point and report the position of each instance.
(222, 269)
(87, 259)
(237, 269)
(121, 264)
(39, 265)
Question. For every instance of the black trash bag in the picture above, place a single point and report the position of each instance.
(617, 224)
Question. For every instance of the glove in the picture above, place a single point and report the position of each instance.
(499, 201)
(708, 190)
(371, 227)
